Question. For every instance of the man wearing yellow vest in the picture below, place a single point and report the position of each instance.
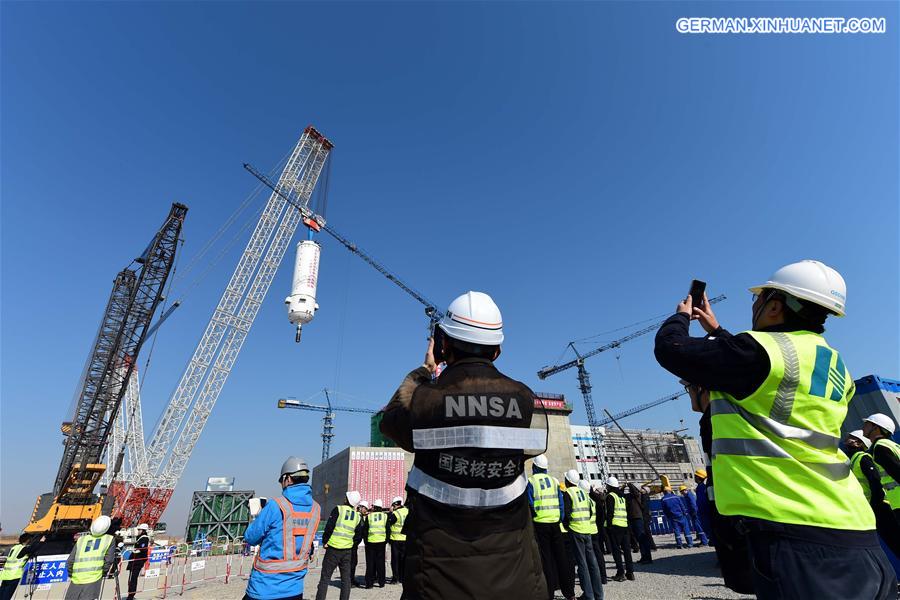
(546, 500)
(344, 527)
(617, 530)
(92, 558)
(579, 516)
(885, 453)
(778, 397)
(14, 567)
(396, 520)
(376, 540)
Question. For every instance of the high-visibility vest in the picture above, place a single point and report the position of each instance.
(293, 524)
(580, 519)
(775, 453)
(620, 515)
(345, 528)
(377, 528)
(592, 524)
(397, 534)
(89, 554)
(891, 488)
(855, 467)
(546, 498)
(14, 567)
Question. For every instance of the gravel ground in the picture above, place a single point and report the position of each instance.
(688, 573)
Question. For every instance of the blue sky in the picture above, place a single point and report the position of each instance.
(579, 162)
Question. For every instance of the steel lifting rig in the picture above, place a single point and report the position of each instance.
(136, 294)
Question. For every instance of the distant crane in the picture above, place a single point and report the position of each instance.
(584, 379)
(640, 408)
(327, 420)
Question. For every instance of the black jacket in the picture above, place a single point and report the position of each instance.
(870, 472)
(332, 522)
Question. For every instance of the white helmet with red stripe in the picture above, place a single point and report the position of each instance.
(474, 318)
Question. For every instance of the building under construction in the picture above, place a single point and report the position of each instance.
(672, 455)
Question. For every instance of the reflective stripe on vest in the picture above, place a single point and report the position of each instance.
(479, 436)
(891, 488)
(546, 498)
(345, 528)
(397, 534)
(377, 528)
(579, 520)
(620, 515)
(775, 453)
(445, 493)
(89, 554)
(14, 567)
(855, 467)
(293, 524)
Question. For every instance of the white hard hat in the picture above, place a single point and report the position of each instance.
(100, 525)
(144, 526)
(583, 484)
(397, 499)
(363, 503)
(572, 476)
(378, 503)
(353, 498)
(612, 481)
(858, 434)
(474, 318)
(540, 461)
(812, 281)
(883, 421)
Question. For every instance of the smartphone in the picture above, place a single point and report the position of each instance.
(698, 288)
(438, 350)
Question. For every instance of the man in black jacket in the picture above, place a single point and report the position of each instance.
(138, 558)
(747, 371)
(342, 532)
(617, 530)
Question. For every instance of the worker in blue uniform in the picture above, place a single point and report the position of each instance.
(675, 510)
(690, 503)
(282, 561)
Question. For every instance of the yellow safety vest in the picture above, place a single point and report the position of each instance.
(89, 554)
(620, 515)
(579, 520)
(891, 488)
(14, 567)
(546, 498)
(593, 522)
(345, 528)
(397, 534)
(377, 528)
(775, 453)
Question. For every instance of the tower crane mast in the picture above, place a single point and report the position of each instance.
(584, 380)
(327, 419)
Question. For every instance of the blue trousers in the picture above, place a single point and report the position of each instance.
(695, 523)
(681, 526)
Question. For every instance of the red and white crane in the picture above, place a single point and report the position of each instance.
(145, 498)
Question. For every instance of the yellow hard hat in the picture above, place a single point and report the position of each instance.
(701, 473)
(682, 488)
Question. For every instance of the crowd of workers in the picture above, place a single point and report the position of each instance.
(790, 515)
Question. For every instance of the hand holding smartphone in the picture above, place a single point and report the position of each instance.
(698, 288)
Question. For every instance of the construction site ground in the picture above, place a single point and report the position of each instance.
(686, 573)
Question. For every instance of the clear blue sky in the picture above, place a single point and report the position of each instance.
(579, 162)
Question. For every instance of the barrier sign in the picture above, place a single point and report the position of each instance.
(151, 573)
(198, 565)
(159, 555)
(49, 569)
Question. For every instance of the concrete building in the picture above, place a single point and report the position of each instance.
(554, 409)
(673, 455)
(376, 473)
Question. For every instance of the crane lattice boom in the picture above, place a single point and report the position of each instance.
(195, 396)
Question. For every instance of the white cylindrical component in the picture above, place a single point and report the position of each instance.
(302, 301)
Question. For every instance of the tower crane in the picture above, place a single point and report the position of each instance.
(640, 408)
(136, 294)
(327, 420)
(188, 410)
(584, 379)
